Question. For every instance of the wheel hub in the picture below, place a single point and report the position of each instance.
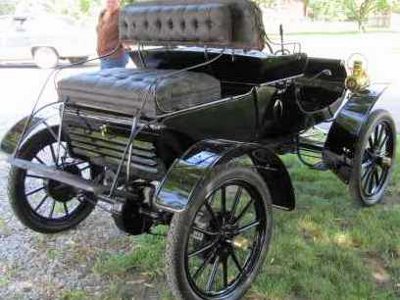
(384, 161)
(241, 243)
(59, 191)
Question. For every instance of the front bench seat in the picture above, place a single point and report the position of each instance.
(124, 90)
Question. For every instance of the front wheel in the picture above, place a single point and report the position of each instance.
(44, 204)
(374, 159)
(217, 246)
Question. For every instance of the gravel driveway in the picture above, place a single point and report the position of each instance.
(37, 266)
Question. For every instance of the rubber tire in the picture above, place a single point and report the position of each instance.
(355, 188)
(53, 57)
(17, 198)
(179, 231)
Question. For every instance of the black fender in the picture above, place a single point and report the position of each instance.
(340, 145)
(42, 118)
(11, 139)
(185, 175)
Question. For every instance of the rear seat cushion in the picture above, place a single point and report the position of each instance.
(124, 90)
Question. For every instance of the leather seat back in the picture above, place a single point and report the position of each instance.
(214, 23)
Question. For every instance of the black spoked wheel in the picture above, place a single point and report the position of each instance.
(217, 246)
(374, 159)
(46, 205)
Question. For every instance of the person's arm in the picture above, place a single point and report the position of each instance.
(99, 20)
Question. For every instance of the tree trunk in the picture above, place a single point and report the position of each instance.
(305, 8)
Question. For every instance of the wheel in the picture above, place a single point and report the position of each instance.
(46, 205)
(216, 247)
(45, 57)
(374, 159)
(75, 60)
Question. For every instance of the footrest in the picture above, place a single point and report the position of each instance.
(60, 176)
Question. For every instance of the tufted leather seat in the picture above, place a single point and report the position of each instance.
(221, 23)
(196, 23)
(124, 90)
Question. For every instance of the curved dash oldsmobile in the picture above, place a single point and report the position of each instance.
(191, 139)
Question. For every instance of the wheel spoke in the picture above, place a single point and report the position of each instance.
(225, 271)
(370, 182)
(35, 176)
(34, 191)
(247, 227)
(223, 200)
(66, 209)
(203, 266)
(55, 136)
(236, 261)
(243, 212)
(371, 142)
(206, 232)
(367, 173)
(211, 212)
(376, 178)
(203, 249)
(213, 274)
(236, 202)
(366, 165)
(53, 154)
(379, 131)
(39, 160)
(382, 144)
(41, 203)
(52, 209)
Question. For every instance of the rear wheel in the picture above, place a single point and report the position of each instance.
(374, 159)
(217, 246)
(46, 205)
(45, 57)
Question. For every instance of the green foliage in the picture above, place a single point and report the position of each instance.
(147, 256)
(326, 9)
(268, 3)
(327, 248)
(359, 11)
(87, 5)
(74, 295)
(396, 6)
(7, 7)
(125, 2)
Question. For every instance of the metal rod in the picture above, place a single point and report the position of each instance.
(134, 133)
(128, 165)
(59, 133)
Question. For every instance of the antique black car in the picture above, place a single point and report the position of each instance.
(191, 138)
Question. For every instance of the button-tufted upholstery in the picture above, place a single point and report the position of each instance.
(209, 23)
(227, 23)
(124, 90)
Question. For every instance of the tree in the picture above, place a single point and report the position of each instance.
(326, 9)
(361, 10)
(7, 8)
(267, 3)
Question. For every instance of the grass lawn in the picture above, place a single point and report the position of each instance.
(327, 248)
